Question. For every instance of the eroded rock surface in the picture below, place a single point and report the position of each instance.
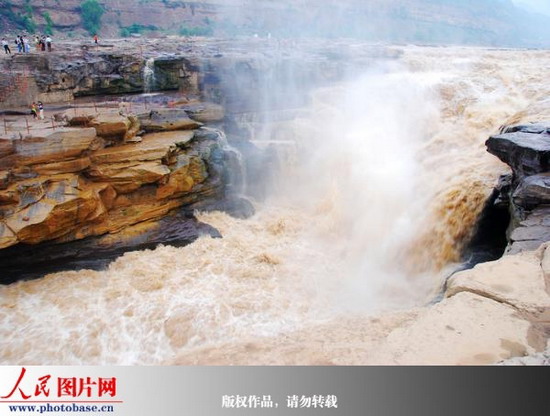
(74, 183)
(526, 149)
(526, 152)
(167, 120)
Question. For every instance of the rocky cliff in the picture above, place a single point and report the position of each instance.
(526, 192)
(96, 177)
(125, 161)
(491, 22)
(236, 75)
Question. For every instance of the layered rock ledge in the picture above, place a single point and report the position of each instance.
(526, 192)
(231, 73)
(72, 183)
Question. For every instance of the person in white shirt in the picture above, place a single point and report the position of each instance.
(6, 46)
(49, 43)
(40, 110)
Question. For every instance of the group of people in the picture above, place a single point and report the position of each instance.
(43, 42)
(37, 110)
(23, 44)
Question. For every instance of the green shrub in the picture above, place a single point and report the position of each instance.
(27, 23)
(135, 28)
(48, 30)
(21, 21)
(196, 31)
(91, 12)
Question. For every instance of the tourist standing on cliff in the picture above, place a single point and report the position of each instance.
(34, 111)
(49, 43)
(96, 40)
(26, 45)
(19, 43)
(6, 46)
(40, 110)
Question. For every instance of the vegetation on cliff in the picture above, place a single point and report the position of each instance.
(21, 20)
(91, 12)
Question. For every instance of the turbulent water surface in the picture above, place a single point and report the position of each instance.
(382, 181)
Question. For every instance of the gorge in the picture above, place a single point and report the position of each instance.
(368, 172)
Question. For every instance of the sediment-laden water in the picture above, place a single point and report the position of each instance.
(382, 181)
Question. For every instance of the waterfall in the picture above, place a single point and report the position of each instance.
(379, 173)
(236, 171)
(149, 76)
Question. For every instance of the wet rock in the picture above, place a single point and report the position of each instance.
(534, 128)
(27, 261)
(531, 232)
(525, 152)
(503, 188)
(532, 191)
(205, 112)
(167, 120)
(238, 207)
(526, 149)
(207, 133)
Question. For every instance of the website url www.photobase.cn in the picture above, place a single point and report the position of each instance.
(46, 408)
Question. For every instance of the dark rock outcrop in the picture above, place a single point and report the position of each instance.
(167, 120)
(527, 153)
(533, 191)
(531, 232)
(526, 149)
(25, 261)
